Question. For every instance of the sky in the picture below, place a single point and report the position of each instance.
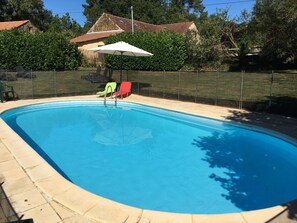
(75, 9)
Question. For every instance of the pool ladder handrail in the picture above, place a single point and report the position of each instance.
(106, 92)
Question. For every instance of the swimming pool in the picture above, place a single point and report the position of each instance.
(203, 165)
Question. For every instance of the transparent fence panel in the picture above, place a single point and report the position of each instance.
(207, 87)
(23, 87)
(284, 94)
(170, 85)
(188, 86)
(43, 84)
(150, 83)
(132, 76)
(228, 89)
(72, 83)
(272, 92)
(256, 91)
(116, 76)
(284, 85)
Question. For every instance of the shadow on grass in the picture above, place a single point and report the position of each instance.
(284, 106)
(281, 105)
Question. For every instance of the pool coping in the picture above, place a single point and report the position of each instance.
(82, 203)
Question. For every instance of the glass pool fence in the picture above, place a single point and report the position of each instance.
(273, 92)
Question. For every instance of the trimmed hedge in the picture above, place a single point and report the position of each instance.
(169, 51)
(37, 51)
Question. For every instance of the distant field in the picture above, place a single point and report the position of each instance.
(208, 87)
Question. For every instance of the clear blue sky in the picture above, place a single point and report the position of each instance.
(75, 9)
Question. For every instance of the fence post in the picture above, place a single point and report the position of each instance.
(138, 90)
(178, 87)
(241, 89)
(196, 86)
(55, 82)
(217, 79)
(163, 82)
(270, 90)
(32, 84)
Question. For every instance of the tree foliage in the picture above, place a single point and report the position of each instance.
(274, 24)
(183, 10)
(33, 10)
(38, 51)
(154, 11)
(65, 25)
(168, 49)
(146, 11)
(216, 38)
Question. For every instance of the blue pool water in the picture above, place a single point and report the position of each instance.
(160, 160)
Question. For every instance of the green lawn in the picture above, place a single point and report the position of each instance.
(212, 87)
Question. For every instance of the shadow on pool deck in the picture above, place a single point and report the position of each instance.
(288, 215)
(7, 212)
(282, 124)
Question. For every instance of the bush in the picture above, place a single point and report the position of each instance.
(37, 51)
(168, 48)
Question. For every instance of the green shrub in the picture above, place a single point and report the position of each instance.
(168, 48)
(37, 51)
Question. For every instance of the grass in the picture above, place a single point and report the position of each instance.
(212, 87)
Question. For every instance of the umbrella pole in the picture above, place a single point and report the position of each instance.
(121, 66)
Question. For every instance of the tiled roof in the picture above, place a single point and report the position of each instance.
(180, 27)
(92, 36)
(108, 21)
(126, 24)
(12, 24)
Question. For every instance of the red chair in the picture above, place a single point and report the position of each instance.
(124, 91)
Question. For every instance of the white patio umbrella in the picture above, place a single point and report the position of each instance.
(123, 49)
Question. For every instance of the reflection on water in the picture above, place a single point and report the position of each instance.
(119, 127)
(124, 136)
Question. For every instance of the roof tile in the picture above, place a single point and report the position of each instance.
(92, 36)
(12, 24)
(120, 23)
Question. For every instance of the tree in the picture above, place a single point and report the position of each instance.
(183, 10)
(146, 11)
(32, 10)
(216, 32)
(275, 26)
(65, 25)
(153, 11)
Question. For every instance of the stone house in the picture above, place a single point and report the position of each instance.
(24, 25)
(108, 25)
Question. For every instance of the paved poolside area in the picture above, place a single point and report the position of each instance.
(32, 189)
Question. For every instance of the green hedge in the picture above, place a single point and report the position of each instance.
(37, 51)
(169, 51)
